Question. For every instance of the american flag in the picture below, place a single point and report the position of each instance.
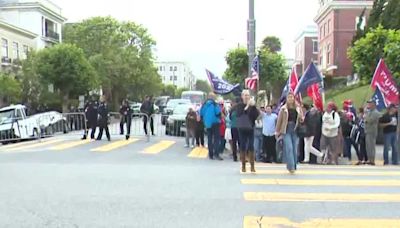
(251, 83)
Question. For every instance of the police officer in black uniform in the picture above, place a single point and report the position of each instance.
(91, 118)
(103, 119)
(126, 117)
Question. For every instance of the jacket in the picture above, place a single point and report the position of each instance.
(330, 124)
(371, 122)
(147, 108)
(282, 122)
(210, 113)
(311, 121)
(252, 112)
(191, 120)
(103, 115)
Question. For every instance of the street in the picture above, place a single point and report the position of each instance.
(65, 182)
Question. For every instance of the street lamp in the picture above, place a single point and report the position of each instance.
(251, 36)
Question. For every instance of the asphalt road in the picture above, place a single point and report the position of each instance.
(66, 182)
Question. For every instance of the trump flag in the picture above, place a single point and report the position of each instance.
(384, 80)
(220, 86)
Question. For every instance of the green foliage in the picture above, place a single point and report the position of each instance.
(65, 67)
(169, 90)
(203, 85)
(30, 83)
(10, 89)
(238, 62)
(358, 94)
(378, 43)
(375, 16)
(121, 53)
(272, 43)
(385, 13)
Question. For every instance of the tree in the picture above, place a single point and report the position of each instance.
(391, 15)
(378, 43)
(121, 53)
(203, 85)
(66, 68)
(169, 90)
(272, 43)
(10, 89)
(375, 16)
(238, 62)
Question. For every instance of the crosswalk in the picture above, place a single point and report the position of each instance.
(316, 185)
(140, 145)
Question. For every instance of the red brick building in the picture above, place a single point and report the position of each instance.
(337, 23)
(306, 48)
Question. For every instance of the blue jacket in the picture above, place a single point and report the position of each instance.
(210, 113)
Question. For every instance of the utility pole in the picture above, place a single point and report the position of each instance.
(251, 35)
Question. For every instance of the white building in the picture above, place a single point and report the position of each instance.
(176, 73)
(40, 17)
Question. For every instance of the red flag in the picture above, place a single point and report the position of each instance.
(314, 93)
(384, 79)
(294, 80)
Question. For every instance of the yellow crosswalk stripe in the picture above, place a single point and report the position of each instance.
(70, 145)
(323, 182)
(330, 172)
(198, 152)
(17, 144)
(259, 221)
(306, 166)
(320, 197)
(157, 148)
(36, 145)
(114, 145)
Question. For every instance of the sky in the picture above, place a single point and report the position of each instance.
(200, 32)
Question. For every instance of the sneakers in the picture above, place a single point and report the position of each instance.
(186, 146)
(192, 146)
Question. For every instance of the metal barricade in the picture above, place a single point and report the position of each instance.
(76, 122)
(169, 126)
(134, 126)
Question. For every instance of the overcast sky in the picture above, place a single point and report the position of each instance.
(200, 32)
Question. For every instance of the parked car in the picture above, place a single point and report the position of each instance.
(171, 106)
(175, 124)
(161, 102)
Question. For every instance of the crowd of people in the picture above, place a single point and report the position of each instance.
(293, 132)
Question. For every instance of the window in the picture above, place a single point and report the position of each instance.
(362, 26)
(4, 48)
(328, 54)
(324, 29)
(315, 46)
(321, 33)
(175, 68)
(15, 50)
(175, 78)
(160, 68)
(171, 68)
(171, 78)
(26, 51)
(329, 26)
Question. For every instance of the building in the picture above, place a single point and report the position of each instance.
(337, 23)
(15, 44)
(176, 73)
(41, 17)
(306, 48)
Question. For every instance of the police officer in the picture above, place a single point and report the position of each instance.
(91, 117)
(148, 109)
(103, 119)
(126, 117)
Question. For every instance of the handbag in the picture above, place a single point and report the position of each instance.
(301, 130)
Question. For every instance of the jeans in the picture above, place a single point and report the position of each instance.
(390, 142)
(145, 125)
(290, 143)
(235, 141)
(213, 140)
(258, 144)
(370, 142)
(269, 148)
(128, 121)
(222, 144)
(190, 133)
(347, 147)
(246, 138)
(362, 151)
(200, 136)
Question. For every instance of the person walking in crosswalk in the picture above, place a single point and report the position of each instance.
(247, 113)
(190, 128)
(103, 119)
(126, 118)
(289, 118)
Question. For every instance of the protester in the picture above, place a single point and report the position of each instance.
(199, 130)
(148, 109)
(317, 137)
(211, 114)
(389, 123)
(358, 136)
(268, 131)
(371, 118)
(311, 120)
(228, 130)
(103, 119)
(258, 139)
(190, 127)
(347, 125)
(330, 132)
(290, 116)
(234, 130)
(247, 114)
(222, 128)
(126, 118)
